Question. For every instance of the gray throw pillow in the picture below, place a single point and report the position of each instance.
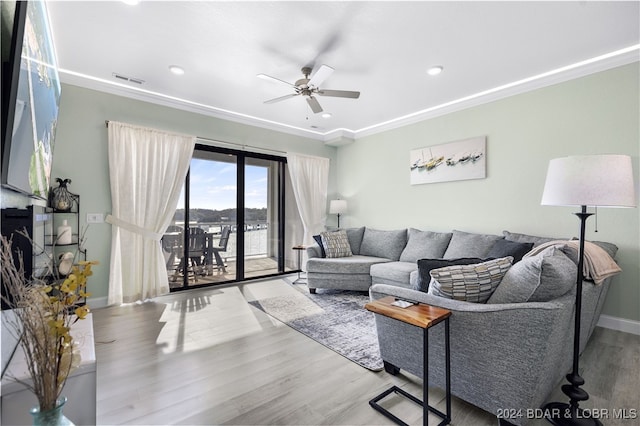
(541, 278)
(466, 244)
(355, 238)
(425, 245)
(470, 283)
(387, 244)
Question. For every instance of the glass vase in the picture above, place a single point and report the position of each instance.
(61, 198)
(53, 417)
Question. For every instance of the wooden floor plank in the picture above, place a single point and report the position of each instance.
(207, 356)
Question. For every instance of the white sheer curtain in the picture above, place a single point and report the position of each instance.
(309, 180)
(147, 169)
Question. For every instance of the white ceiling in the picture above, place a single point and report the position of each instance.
(381, 49)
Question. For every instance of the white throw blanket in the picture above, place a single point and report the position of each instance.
(598, 265)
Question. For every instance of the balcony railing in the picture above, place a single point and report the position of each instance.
(255, 237)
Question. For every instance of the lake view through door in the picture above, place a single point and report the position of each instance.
(229, 222)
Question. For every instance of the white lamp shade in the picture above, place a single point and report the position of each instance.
(338, 206)
(590, 180)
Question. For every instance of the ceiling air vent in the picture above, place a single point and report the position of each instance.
(129, 79)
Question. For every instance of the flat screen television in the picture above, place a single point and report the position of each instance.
(30, 108)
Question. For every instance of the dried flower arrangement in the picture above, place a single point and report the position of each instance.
(44, 313)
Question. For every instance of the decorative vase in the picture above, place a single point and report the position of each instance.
(64, 233)
(61, 198)
(53, 417)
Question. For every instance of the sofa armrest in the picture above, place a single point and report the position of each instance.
(503, 356)
(313, 251)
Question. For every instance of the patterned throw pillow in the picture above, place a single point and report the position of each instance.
(336, 244)
(471, 283)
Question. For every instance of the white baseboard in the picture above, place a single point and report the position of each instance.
(620, 324)
(97, 302)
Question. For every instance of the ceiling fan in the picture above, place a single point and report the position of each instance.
(311, 86)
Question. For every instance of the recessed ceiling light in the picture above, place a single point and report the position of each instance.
(176, 69)
(326, 115)
(131, 2)
(435, 70)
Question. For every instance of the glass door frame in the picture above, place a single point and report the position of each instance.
(240, 218)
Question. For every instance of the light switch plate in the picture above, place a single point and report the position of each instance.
(95, 218)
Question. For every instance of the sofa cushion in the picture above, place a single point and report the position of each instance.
(524, 238)
(395, 272)
(425, 244)
(318, 240)
(388, 244)
(355, 238)
(504, 248)
(471, 283)
(541, 278)
(466, 244)
(336, 244)
(426, 265)
(356, 264)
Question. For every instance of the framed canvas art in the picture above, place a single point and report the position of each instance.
(459, 160)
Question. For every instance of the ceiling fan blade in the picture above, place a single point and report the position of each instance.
(339, 93)
(281, 98)
(277, 80)
(314, 104)
(321, 75)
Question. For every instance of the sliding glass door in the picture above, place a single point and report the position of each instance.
(228, 225)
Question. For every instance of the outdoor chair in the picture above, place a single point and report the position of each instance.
(221, 248)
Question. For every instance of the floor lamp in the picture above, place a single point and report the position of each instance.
(338, 207)
(590, 180)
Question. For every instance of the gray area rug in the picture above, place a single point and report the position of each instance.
(335, 318)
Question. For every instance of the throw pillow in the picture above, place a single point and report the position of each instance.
(470, 283)
(336, 244)
(355, 238)
(466, 244)
(504, 248)
(318, 240)
(425, 245)
(524, 238)
(385, 244)
(426, 265)
(541, 278)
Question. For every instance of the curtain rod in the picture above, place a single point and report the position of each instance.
(243, 146)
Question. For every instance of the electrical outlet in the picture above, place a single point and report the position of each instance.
(95, 218)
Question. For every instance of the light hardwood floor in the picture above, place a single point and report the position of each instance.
(208, 357)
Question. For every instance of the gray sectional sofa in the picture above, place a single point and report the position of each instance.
(507, 354)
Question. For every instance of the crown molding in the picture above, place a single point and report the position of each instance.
(119, 89)
(340, 137)
(581, 69)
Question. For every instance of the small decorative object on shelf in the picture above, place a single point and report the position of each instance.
(65, 263)
(43, 318)
(61, 199)
(64, 233)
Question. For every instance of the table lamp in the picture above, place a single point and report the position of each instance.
(338, 207)
(588, 180)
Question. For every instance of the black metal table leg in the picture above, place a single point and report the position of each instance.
(446, 417)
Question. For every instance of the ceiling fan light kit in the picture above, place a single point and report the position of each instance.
(311, 86)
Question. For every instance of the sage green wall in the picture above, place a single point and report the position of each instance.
(81, 153)
(590, 115)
